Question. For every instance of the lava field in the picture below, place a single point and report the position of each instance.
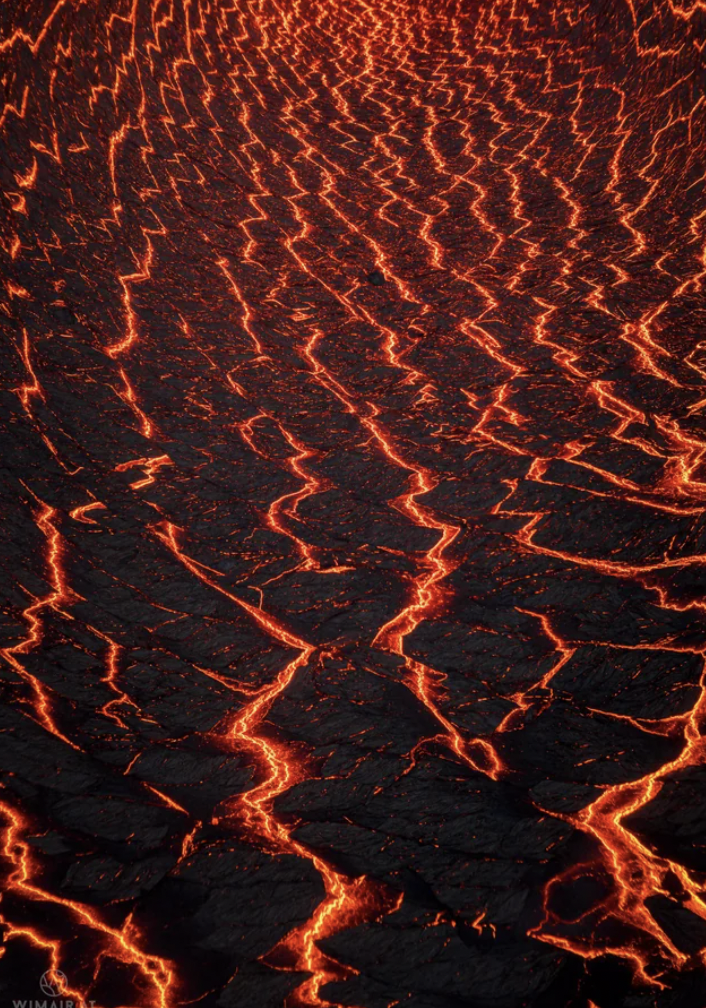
(353, 503)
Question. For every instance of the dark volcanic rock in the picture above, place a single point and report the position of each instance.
(354, 504)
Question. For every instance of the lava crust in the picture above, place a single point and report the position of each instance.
(354, 497)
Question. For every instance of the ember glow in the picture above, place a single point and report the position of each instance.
(354, 497)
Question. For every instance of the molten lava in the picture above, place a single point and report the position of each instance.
(354, 496)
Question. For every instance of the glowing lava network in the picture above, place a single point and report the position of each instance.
(354, 503)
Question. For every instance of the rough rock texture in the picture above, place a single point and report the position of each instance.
(353, 493)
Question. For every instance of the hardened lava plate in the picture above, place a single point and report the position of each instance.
(353, 538)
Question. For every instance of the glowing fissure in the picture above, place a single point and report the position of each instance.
(462, 246)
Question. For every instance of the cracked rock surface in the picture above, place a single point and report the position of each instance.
(353, 496)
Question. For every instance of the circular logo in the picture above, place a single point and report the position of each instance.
(51, 982)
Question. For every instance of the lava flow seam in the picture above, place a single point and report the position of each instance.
(385, 47)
